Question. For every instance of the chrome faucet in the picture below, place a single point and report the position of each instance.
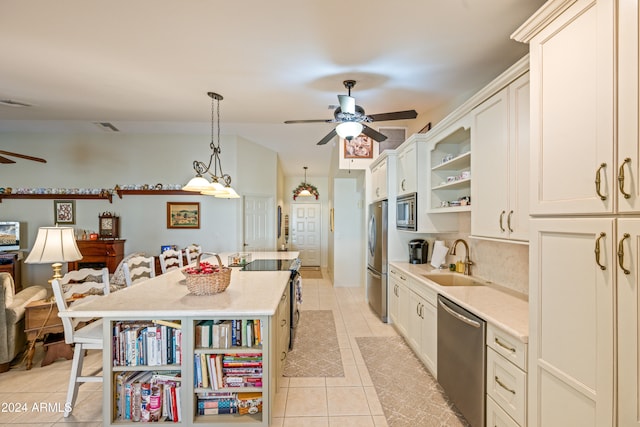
(467, 261)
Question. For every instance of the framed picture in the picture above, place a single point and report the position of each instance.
(183, 214)
(360, 147)
(64, 211)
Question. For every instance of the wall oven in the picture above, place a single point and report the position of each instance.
(406, 212)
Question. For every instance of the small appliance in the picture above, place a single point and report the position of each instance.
(418, 249)
(406, 209)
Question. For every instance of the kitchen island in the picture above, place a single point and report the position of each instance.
(257, 298)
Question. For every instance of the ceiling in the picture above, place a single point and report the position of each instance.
(146, 65)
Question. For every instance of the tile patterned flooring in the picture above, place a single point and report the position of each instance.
(349, 401)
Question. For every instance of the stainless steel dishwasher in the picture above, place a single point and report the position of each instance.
(461, 359)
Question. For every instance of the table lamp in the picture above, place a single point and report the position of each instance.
(54, 245)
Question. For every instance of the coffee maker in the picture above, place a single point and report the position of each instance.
(418, 249)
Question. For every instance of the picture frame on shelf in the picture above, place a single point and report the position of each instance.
(183, 215)
(360, 147)
(64, 211)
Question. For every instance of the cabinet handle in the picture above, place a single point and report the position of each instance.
(284, 356)
(283, 322)
(621, 253)
(418, 309)
(503, 345)
(422, 311)
(602, 196)
(501, 217)
(597, 251)
(501, 384)
(509, 222)
(402, 277)
(402, 185)
(378, 192)
(284, 297)
(621, 178)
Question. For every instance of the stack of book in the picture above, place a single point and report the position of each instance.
(150, 343)
(228, 333)
(216, 403)
(218, 371)
(148, 396)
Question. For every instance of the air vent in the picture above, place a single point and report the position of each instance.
(13, 103)
(395, 137)
(106, 126)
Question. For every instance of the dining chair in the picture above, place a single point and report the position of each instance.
(170, 260)
(139, 269)
(86, 281)
(192, 252)
(87, 337)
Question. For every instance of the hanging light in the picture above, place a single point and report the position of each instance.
(349, 130)
(220, 185)
(305, 189)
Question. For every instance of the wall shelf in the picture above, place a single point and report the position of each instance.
(105, 196)
(121, 193)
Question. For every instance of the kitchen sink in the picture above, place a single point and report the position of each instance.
(452, 279)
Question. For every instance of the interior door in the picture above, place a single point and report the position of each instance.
(259, 226)
(305, 232)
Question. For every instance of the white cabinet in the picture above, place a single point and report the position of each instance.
(506, 378)
(413, 312)
(379, 187)
(572, 61)
(283, 333)
(584, 59)
(407, 169)
(572, 322)
(500, 164)
(628, 238)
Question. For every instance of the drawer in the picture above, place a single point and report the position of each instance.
(496, 417)
(507, 385)
(508, 346)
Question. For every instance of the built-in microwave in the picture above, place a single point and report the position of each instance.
(406, 212)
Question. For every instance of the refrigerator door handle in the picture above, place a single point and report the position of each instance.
(374, 274)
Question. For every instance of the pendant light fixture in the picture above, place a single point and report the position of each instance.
(220, 185)
(305, 189)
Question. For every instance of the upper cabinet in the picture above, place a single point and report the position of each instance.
(573, 111)
(379, 189)
(500, 164)
(407, 169)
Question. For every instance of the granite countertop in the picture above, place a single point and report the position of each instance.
(500, 306)
(255, 293)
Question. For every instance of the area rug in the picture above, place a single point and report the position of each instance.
(309, 273)
(315, 352)
(408, 393)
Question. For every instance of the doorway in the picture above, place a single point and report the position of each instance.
(305, 232)
(259, 227)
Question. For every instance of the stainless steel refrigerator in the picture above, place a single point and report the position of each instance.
(377, 259)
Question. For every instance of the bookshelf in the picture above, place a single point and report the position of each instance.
(177, 372)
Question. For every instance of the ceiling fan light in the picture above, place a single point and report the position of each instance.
(349, 130)
(197, 183)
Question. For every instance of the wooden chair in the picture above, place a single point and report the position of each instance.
(88, 337)
(170, 260)
(192, 252)
(138, 269)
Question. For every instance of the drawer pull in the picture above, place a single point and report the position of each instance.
(501, 384)
(598, 181)
(503, 345)
(284, 356)
(283, 322)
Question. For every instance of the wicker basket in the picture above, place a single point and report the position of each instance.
(208, 284)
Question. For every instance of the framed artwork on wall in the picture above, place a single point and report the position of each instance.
(183, 214)
(360, 147)
(64, 211)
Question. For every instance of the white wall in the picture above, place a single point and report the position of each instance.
(349, 239)
(104, 160)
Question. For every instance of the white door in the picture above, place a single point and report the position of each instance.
(259, 228)
(305, 232)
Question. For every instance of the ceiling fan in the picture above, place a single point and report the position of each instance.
(351, 118)
(6, 160)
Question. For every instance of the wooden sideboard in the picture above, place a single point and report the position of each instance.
(102, 252)
(11, 262)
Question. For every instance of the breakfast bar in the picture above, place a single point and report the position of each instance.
(260, 298)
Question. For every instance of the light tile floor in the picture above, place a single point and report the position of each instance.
(36, 397)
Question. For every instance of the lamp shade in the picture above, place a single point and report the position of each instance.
(197, 183)
(349, 130)
(54, 244)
